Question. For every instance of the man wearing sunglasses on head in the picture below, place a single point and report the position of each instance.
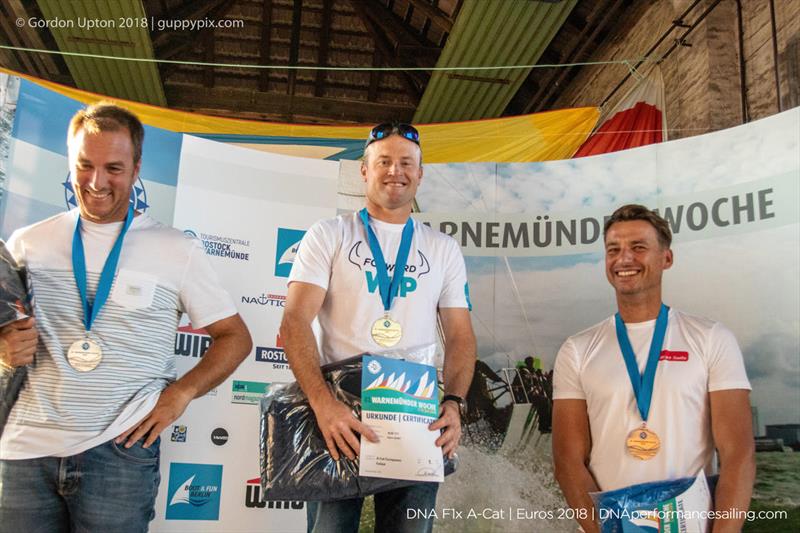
(334, 278)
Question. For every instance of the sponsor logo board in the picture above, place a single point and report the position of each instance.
(178, 433)
(190, 342)
(253, 498)
(248, 392)
(286, 250)
(273, 354)
(230, 248)
(194, 491)
(219, 436)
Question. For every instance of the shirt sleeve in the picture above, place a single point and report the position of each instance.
(566, 375)
(455, 289)
(726, 364)
(16, 248)
(201, 294)
(314, 258)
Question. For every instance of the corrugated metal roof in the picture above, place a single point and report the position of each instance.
(489, 33)
(125, 34)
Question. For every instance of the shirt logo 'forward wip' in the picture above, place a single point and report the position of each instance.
(667, 355)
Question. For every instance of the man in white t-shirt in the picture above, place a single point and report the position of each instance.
(693, 397)
(80, 451)
(336, 278)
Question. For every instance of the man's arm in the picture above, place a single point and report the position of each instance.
(572, 444)
(230, 344)
(336, 421)
(18, 342)
(733, 438)
(459, 365)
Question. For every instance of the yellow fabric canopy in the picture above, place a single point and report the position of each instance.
(537, 137)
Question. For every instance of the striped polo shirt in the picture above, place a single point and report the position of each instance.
(161, 274)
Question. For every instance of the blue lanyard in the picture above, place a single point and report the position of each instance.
(388, 289)
(643, 384)
(91, 310)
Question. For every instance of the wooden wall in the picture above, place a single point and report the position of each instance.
(702, 81)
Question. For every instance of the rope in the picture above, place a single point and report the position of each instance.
(313, 68)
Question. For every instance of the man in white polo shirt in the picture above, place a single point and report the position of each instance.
(648, 394)
(80, 450)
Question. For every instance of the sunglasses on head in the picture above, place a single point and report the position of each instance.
(381, 131)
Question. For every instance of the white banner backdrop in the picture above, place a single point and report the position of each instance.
(531, 234)
(250, 209)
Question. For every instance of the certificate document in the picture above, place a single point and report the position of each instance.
(399, 400)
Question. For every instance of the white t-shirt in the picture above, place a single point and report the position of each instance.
(161, 274)
(335, 255)
(698, 356)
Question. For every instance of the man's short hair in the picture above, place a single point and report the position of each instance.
(639, 212)
(107, 116)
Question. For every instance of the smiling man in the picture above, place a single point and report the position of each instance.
(692, 391)
(335, 279)
(80, 451)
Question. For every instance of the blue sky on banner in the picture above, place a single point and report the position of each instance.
(743, 275)
(38, 168)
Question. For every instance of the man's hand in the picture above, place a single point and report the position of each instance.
(450, 421)
(18, 342)
(171, 404)
(339, 427)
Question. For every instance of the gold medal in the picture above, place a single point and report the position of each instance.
(642, 443)
(386, 332)
(84, 355)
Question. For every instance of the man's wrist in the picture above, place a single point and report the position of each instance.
(185, 390)
(461, 403)
(321, 399)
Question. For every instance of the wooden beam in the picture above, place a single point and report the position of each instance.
(237, 79)
(426, 27)
(410, 47)
(581, 44)
(393, 26)
(176, 46)
(24, 58)
(294, 47)
(31, 36)
(208, 57)
(374, 77)
(191, 10)
(409, 14)
(248, 101)
(324, 45)
(265, 44)
(414, 81)
(182, 41)
(434, 14)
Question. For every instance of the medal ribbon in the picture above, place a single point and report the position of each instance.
(91, 310)
(388, 289)
(643, 384)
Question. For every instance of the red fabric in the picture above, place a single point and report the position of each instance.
(638, 126)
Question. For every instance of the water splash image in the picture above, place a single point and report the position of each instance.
(507, 492)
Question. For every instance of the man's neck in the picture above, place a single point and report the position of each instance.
(633, 310)
(392, 216)
(116, 219)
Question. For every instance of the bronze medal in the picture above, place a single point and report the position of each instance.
(642, 443)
